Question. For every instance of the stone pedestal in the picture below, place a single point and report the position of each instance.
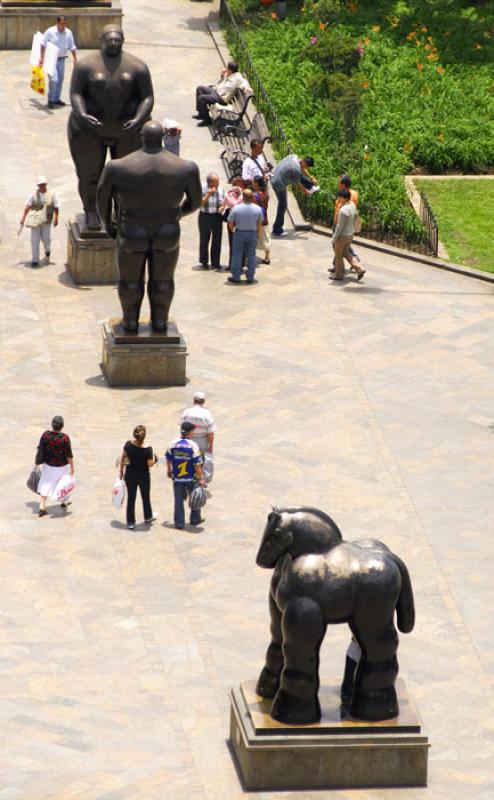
(19, 21)
(145, 358)
(333, 753)
(91, 256)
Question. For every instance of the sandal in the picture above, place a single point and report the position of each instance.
(42, 512)
(266, 261)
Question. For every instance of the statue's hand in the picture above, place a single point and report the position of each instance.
(131, 125)
(112, 231)
(93, 122)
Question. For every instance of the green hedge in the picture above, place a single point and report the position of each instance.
(379, 90)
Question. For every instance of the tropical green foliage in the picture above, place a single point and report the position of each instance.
(379, 89)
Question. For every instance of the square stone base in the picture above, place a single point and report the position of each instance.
(333, 753)
(145, 358)
(19, 23)
(91, 256)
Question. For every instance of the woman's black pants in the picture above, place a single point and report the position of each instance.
(143, 481)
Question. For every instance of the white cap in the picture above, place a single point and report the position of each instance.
(40, 179)
(169, 124)
(200, 396)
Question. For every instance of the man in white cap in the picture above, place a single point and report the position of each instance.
(40, 211)
(172, 136)
(203, 420)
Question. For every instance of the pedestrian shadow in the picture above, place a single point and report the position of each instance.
(363, 289)
(27, 265)
(188, 528)
(34, 103)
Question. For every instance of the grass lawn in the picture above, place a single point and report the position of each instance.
(464, 214)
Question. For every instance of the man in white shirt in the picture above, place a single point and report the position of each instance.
(62, 38)
(203, 421)
(41, 210)
(221, 92)
(255, 165)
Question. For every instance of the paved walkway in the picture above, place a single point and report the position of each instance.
(373, 401)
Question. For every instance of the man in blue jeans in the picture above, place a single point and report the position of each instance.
(245, 222)
(291, 169)
(62, 38)
(184, 460)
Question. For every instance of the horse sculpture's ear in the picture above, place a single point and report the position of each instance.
(274, 517)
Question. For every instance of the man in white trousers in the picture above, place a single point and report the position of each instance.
(40, 211)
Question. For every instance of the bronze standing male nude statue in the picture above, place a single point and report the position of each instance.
(140, 201)
(112, 96)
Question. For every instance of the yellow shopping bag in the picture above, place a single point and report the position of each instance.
(38, 80)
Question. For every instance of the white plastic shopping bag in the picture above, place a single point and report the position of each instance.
(64, 488)
(118, 493)
(208, 467)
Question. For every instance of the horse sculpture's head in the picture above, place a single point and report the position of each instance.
(296, 530)
(276, 540)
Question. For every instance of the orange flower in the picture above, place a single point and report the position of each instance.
(376, 28)
(366, 40)
(366, 156)
(440, 70)
(420, 67)
(478, 46)
(323, 25)
(365, 84)
(411, 35)
(429, 38)
(432, 57)
(274, 15)
(424, 29)
(427, 47)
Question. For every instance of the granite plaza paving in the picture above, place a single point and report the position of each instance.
(373, 402)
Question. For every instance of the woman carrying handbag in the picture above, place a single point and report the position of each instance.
(55, 455)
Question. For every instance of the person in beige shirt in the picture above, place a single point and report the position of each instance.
(345, 182)
(222, 92)
(342, 237)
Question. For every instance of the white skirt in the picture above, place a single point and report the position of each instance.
(49, 478)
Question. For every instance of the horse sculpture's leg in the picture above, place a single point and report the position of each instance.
(269, 679)
(374, 696)
(296, 701)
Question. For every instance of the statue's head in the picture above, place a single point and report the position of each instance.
(152, 135)
(112, 40)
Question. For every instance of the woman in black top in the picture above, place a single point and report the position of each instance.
(136, 460)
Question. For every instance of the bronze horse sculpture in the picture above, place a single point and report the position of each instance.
(318, 580)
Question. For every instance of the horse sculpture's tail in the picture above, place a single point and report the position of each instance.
(405, 609)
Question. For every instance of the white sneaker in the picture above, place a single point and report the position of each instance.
(314, 189)
(131, 527)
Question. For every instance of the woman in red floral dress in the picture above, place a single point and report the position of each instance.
(55, 454)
